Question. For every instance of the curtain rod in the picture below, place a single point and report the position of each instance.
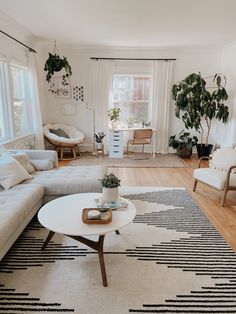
(19, 42)
(131, 59)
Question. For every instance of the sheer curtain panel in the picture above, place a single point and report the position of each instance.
(36, 110)
(161, 99)
(101, 97)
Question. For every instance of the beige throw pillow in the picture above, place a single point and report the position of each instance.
(42, 164)
(23, 159)
(11, 172)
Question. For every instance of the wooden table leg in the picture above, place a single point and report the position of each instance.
(97, 246)
(49, 237)
(101, 260)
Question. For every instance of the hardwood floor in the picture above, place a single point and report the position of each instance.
(207, 198)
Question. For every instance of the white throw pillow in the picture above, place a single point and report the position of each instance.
(11, 172)
(223, 159)
(23, 159)
(42, 164)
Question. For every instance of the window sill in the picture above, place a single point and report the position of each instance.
(15, 139)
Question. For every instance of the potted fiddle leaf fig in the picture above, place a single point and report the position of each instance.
(197, 105)
(55, 63)
(110, 187)
(183, 144)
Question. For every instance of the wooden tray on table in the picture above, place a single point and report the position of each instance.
(105, 216)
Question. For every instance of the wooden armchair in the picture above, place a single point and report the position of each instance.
(221, 173)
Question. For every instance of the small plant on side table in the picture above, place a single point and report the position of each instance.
(99, 137)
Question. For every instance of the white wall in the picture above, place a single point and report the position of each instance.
(229, 69)
(206, 60)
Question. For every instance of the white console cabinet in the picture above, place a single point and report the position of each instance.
(116, 144)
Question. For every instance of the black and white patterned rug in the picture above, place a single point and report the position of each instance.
(171, 259)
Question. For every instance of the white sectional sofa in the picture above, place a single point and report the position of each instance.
(20, 203)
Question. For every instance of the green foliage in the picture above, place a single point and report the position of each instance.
(54, 64)
(195, 103)
(114, 113)
(99, 137)
(110, 181)
(184, 140)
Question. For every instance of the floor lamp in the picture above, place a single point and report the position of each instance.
(93, 112)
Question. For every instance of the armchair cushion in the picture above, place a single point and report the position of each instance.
(59, 132)
(223, 159)
(213, 177)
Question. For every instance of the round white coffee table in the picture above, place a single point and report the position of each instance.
(64, 215)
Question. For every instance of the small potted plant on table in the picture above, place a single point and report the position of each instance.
(114, 114)
(183, 144)
(110, 184)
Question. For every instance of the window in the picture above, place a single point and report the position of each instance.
(131, 93)
(16, 95)
(21, 86)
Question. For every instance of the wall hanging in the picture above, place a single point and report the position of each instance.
(57, 63)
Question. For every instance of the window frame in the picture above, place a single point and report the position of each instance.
(26, 91)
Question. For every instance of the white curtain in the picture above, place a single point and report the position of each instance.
(36, 110)
(161, 98)
(101, 96)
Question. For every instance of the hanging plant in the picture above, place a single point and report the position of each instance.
(55, 63)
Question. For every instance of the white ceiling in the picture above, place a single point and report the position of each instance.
(127, 23)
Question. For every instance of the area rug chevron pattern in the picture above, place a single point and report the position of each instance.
(169, 260)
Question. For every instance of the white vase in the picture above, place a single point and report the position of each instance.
(114, 124)
(110, 194)
(99, 145)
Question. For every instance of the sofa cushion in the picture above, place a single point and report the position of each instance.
(11, 172)
(213, 177)
(42, 164)
(23, 159)
(70, 180)
(15, 205)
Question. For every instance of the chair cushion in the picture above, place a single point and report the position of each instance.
(75, 136)
(223, 159)
(69, 180)
(59, 132)
(213, 177)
